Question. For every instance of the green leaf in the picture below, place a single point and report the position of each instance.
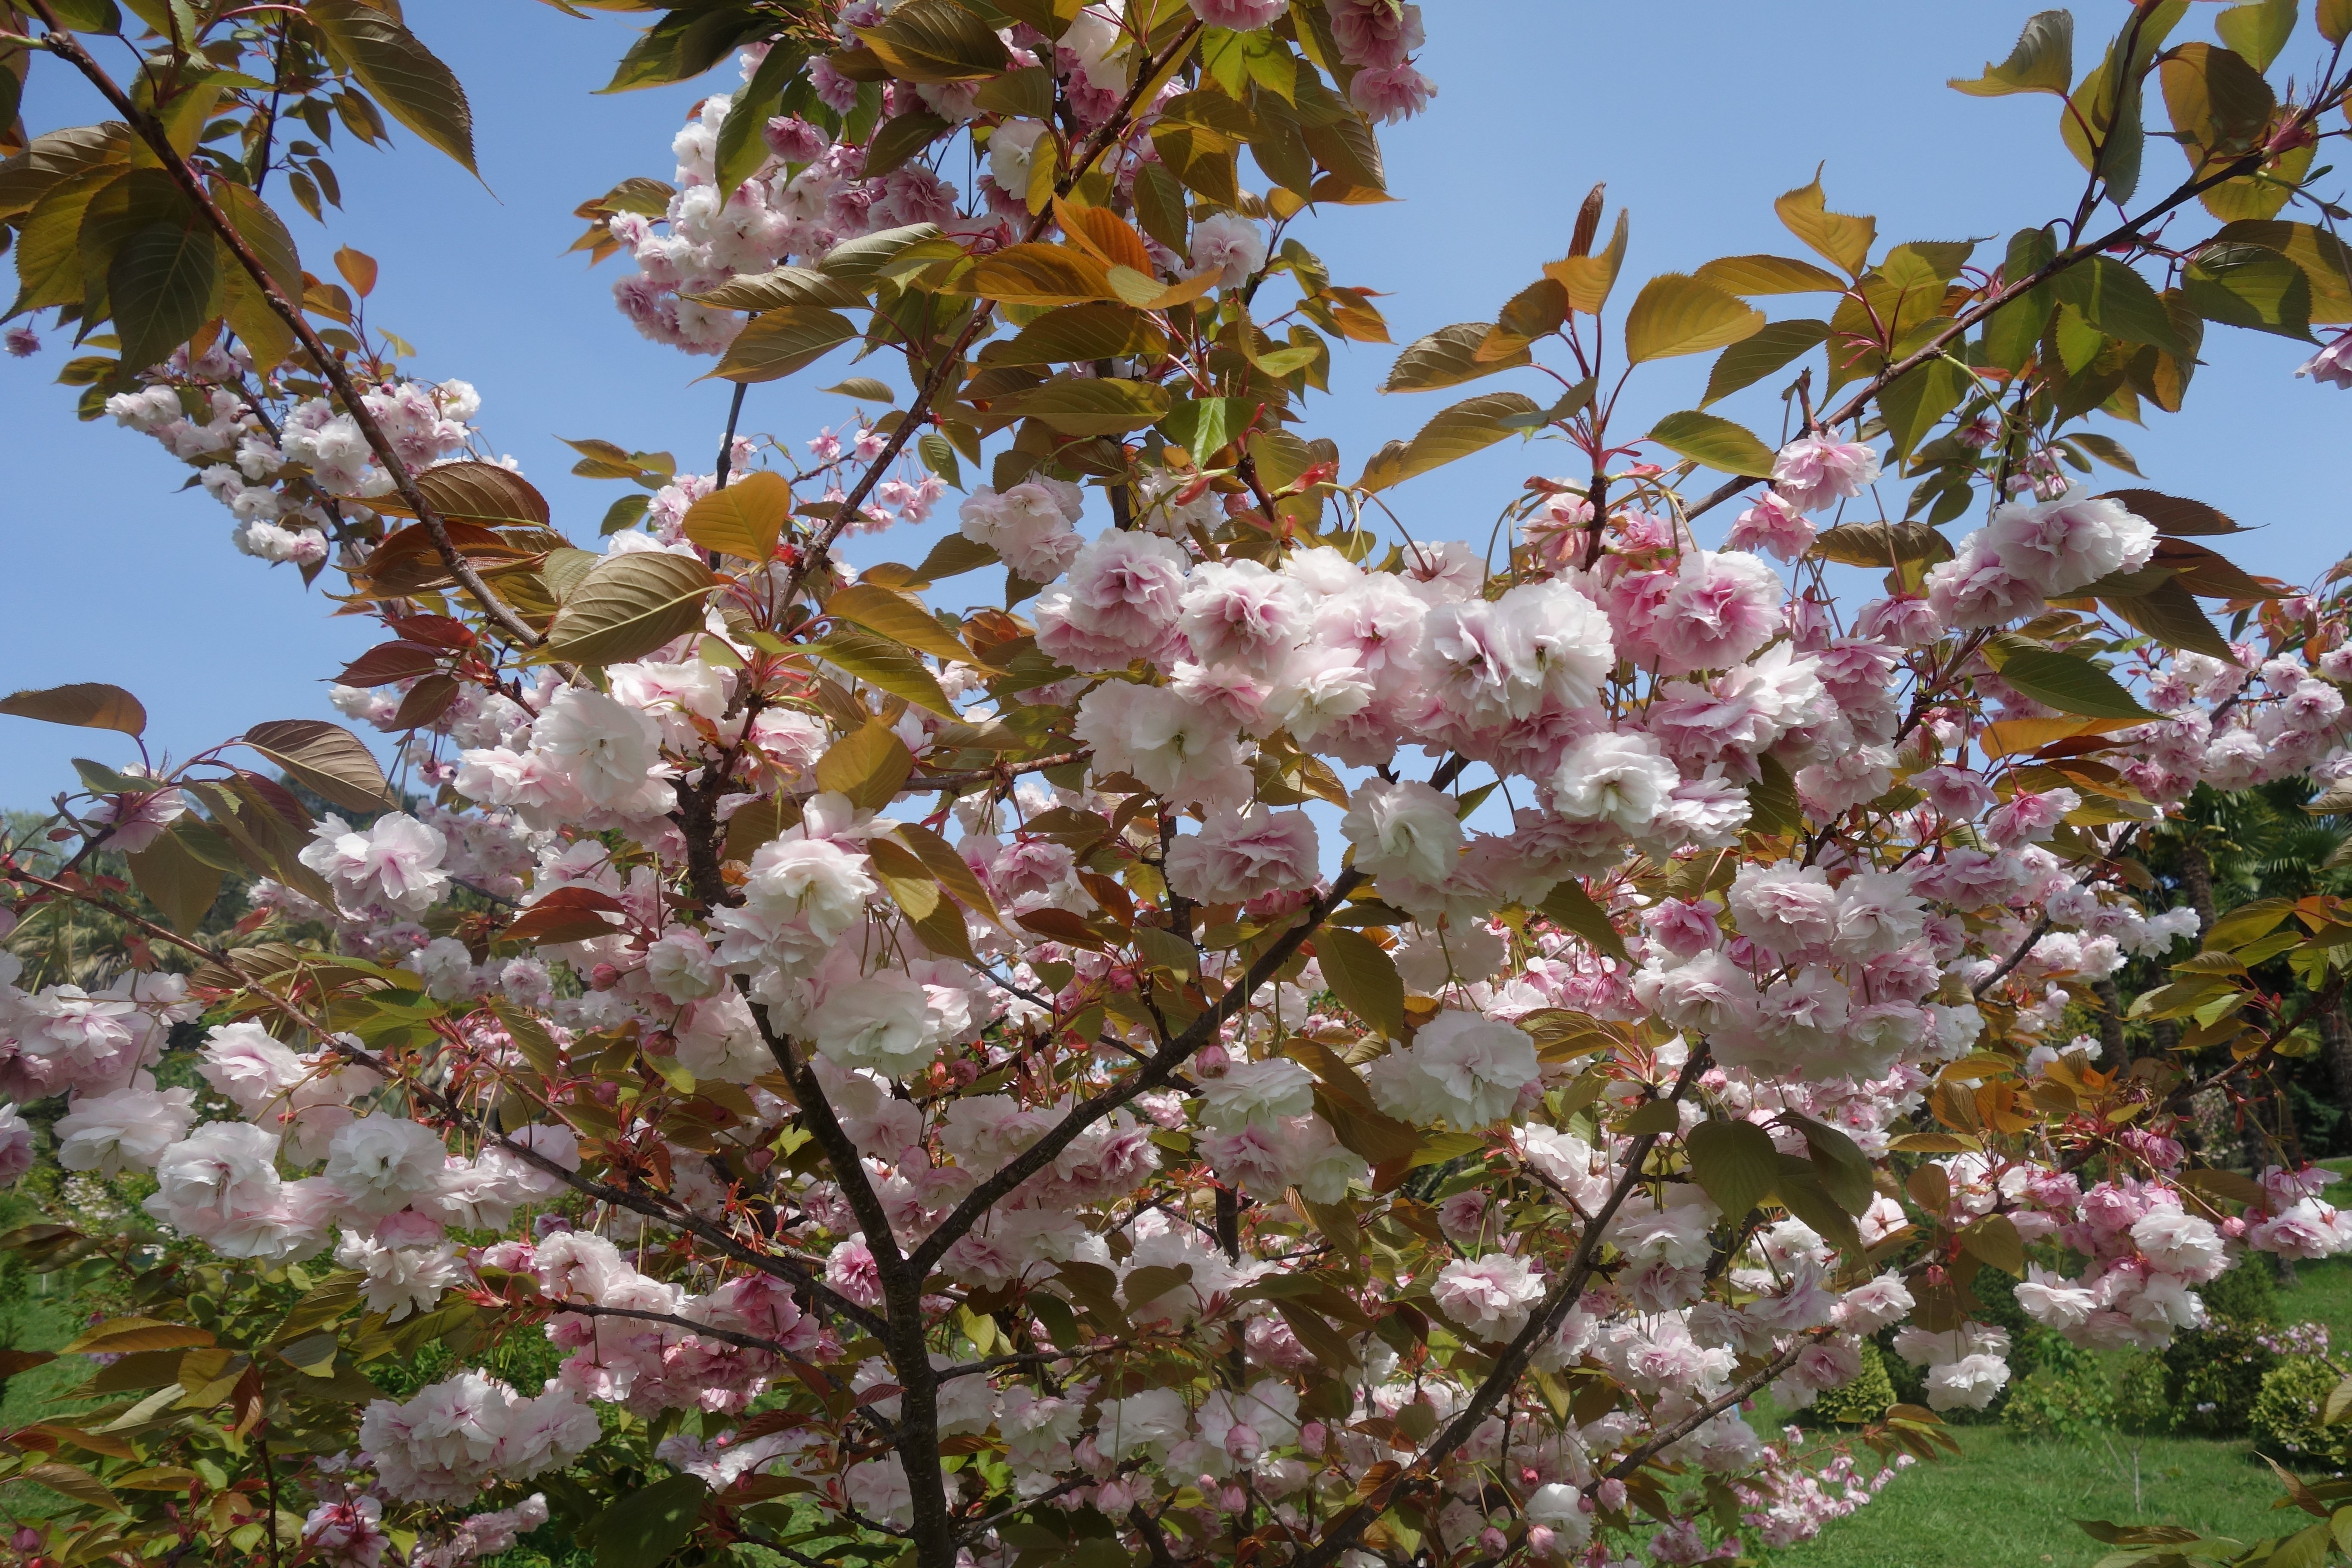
(2107, 450)
(1799, 1191)
(1915, 401)
(1654, 1117)
(1753, 358)
(936, 41)
(1714, 442)
(745, 519)
(88, 16)
(2258, 30)
(1772, 804)
(1842, 237)
(1996, 1241)
(2219, 104)
(2251, 286)
(2326, 260)
(1324, 1343)
(400, 73)
(59, 156)
(1571, 403)
(741, 148)
(645, 1527)
(1023, 94)
(1838, 1162)
(321, 1305)
(173, 878)
(886, 665)
(48, 242)
(1471, 425)
(865, 388)
(901, 139)
(2042, 61)
(326, 759)
(952, 556)
(938, 455)
(870, 765)
(628, 606)
(1205, 426)
(1087, 406)
(779, 342)
(266, 233)
(898, 618)
(1677, 314)
(72, 1480)
(1750, 275)
(88, 704)
(2307, 1548)
(2335, 19)
(2170, 613)
(2118, 302)
(1735, 1161)
(1364, 977)
(1072, 333)
(159, 288)
(1589, 279)
(781, 286)
(1447, 357)
(2071, 685)
(1569, 906)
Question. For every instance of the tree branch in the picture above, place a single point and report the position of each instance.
(1715, 1407)
(669, 1214)
(62, 42)
(927, 394)
(1339, 1535)
(2187, 191)
(1160, 1068)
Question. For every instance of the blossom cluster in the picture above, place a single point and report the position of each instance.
(811, 192)
(1162, 1043)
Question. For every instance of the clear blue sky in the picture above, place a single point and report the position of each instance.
(1697, 112)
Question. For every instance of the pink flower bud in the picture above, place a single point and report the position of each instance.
(1612, 1494)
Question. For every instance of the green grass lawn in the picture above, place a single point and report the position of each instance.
(2006, 1502)
(2010, 1501)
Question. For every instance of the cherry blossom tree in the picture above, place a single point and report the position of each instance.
(1280, 1038)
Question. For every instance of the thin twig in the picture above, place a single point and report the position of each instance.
(1934, 348)
(62, 42)
(814, 552)
(1715, 1407)
(1341, 1535)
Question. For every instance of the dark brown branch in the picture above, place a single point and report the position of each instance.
(667, 1213)
(1159, 1069)
(700, 1331)
(1341, 1535)
(1714, 1407)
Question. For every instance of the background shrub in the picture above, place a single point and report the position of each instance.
(1866, 1398)
(2285, 1418)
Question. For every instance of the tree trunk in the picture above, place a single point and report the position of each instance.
(2111, 1026)
(2335, 1050)
(2197, 878)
